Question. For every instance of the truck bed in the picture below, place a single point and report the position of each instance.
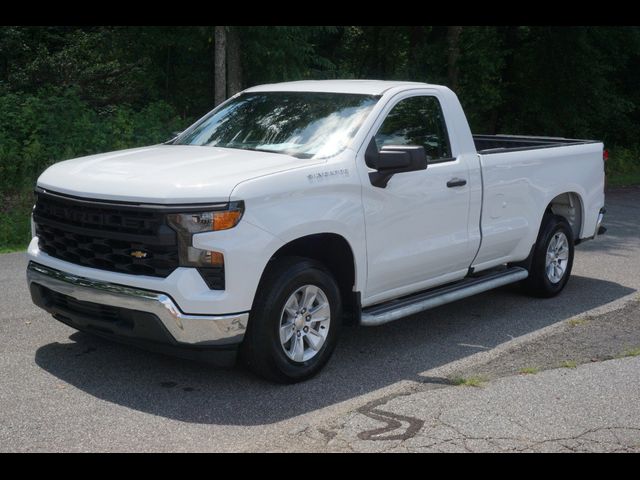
(486, 144)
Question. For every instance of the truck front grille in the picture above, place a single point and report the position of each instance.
(109, 236)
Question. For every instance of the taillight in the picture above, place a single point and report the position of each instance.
(605, 155)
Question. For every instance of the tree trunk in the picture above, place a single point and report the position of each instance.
(220, 65)
(453, 47)
(234, 64)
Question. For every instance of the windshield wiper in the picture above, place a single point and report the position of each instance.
(266, 150)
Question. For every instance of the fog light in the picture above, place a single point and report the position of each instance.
(204, 258)
(210, 265)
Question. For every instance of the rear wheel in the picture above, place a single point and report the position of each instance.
(295, 321)
(552, 259)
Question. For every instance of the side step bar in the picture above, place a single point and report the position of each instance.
(403, 307)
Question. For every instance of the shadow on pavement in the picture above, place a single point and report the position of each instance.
(367, 359)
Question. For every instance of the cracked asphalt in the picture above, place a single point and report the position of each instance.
(590, 408)
(399, 387)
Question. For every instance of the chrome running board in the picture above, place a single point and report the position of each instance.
(419, 302)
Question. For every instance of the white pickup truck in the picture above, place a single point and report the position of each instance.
(294, 207)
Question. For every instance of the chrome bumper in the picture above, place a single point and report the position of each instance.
(186, 329)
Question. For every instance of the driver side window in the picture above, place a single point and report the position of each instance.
(417, 121)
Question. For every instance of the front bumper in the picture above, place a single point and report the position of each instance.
(128, 309)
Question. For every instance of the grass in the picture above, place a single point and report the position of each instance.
(574, 322)
(469, 382)
(21, 248)
(529, 370)
(623, 179)
(633, 352)
(569, 364)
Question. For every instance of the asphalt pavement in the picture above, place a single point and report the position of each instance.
(557, 374)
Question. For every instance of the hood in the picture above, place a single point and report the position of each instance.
(164, 173)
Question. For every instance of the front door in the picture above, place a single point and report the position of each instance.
(416, 227)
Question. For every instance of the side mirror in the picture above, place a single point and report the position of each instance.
(393, 159)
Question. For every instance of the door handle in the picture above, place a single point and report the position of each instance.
(456, 182)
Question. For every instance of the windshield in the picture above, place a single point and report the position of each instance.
(302, 124)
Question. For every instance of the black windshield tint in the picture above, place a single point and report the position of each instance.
(302, 124)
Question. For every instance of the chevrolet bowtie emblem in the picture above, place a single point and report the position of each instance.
(139, 254)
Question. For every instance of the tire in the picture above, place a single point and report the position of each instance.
(285, 284)
(544, 280)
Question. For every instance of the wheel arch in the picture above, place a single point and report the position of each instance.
(337, 255)
(570, 206)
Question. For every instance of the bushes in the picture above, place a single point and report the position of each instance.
(623, 166)
(53, 125)
(39, 130)
(15, 220)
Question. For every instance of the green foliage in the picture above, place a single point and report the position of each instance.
(281, 53)
(565, 82)
(481, 89)
(15, 220)
(568, 81)
(623, 166)
(569, 364)
(632, 352)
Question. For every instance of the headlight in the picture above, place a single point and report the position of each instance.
(188, 224)
(198, 222)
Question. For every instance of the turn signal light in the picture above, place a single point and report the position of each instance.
(226, 219)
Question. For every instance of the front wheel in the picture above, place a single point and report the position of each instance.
(295, 321)
(552, 258)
